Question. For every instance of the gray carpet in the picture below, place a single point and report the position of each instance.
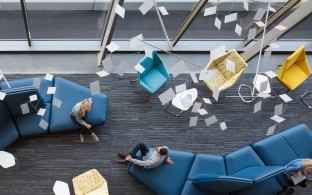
(44, 159)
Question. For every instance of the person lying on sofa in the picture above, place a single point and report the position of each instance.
(149, 159)
(79, 112)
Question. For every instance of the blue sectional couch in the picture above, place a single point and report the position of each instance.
(254, 169)
(14, 123)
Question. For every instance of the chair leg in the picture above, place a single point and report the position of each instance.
(133, 81)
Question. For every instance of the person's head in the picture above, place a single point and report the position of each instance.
(85, 105)
(307, 167)
(162, 150)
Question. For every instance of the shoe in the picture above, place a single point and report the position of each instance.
(81, 137)
(122, 155)
(124, 162)
(94, 137)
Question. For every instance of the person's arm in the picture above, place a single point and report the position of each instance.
(80, 120)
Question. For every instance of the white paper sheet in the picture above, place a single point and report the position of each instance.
(230, 18)
(260, 13)
(43, 124)
(211, 120)
(41, 111)
(274, 45)
(299, 177)
(216, 52)
(25, 108)
(163, 11)
(215, 94)
(207, 100)
(280, 27)
(56, 102)
(166, 96)
(278, 109)
(246, 6)
(207, 75)
(271, 130)
(277, 118)
(95, 88)
(120, 10)
(285, 98)
(270, 74)
(210, 11)
(48, 77)
(230, 65)
(36, 83)
(146, 6)
(272, 9)
(257, 107)
(33, 98)
(194, 77)
(217, 23)
(108, 64)
(2, 95)
(139, 68)
(51, 90)
(223, 126)
(238, 30)
(112, 47)
(135, 41)
(102, 73)
(193, 121)
(252, 33)
(196, 107)
(180, 88)
(260, 23)
(202, 111)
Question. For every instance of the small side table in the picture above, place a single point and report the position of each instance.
(61, 188)
(183, 101)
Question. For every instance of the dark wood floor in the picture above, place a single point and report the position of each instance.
(45, 159)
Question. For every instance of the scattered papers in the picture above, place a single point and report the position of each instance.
(280, 27)
(217, 23)
(178, 68)
(216, 52)
(272, 9)
(135, 41)
(252, 33)
(263, 95)
(246, 6)
(299, 177)
(270, 74)
(2, 95)
(25, 108)
(193, 121)
(285, 98)
(51, 90)
(194, 77)
(223, 126)
(264, 85)
(271, 130)
(33, 98)
(230, 65)
(260, 24)
(180, 88)
(43, 124)
(41, 111)
(120, 10)
(163, 11)
(278, 109)
(238, 30)
(202, 111)
(112, 47)
(257, 106)
(196, 107)
(210, 11)
(48, 77)
(211, 120)
(146, 6)
(56, 102)
(36, 83)
(207, 75)
(167, 96)
(277, 118)
(215, 94)
(148, 52)
(260, 13)
(230, 18)
(102, 73)
(139, 68)
(274, 45)
(95, 87)
(121, 68)
(267, 56)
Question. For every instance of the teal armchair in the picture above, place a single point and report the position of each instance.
(154, 75)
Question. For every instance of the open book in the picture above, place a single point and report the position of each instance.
(298, 177)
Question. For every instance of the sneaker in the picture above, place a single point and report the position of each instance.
(81, 138)
(94, 137)
(122, 155)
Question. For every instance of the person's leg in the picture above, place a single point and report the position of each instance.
(142, 147)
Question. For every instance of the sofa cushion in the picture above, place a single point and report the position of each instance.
(15, 97)
(300, 140)
(189, 188)
(165, 179)
(260, 173)
(44, 85)
(220, 183)
(71, 93)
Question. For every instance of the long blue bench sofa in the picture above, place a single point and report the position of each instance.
(14, 123)
(254, 169)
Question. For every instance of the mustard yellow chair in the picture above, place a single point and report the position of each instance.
(225, 78)
(90, 183)
(294, 70)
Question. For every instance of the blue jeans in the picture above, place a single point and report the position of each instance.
(142, 147)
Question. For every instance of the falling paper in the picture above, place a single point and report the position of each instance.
(230, 18)
(166, 96)
(146, 6)
(48, 77)
(210, 11)
(121, 68)
(216, 52)
(252, 33)
(194, 77)
(207, 100)
(246, 7)
(211, 120)
(33, 98)
(2, 95)
(277, 118)
(102, 73)
(43, 124)
(260, 13)
(120, 10)
(41, 111)
(230, 65)
(223, 126)
(280, 27)
(278, 109)
(51, 90)
(108, 64)
(148, 52)
(267, 56)
(139, 68)
(178, 68)
(257, 106)
(272, 9)
(271, 130)
(163, 11)
(260, 23)
(95, 87)
(285, 98)
(36, 83)
(238, 30)
(217, 23)
(180, 88)
(215, 94)
(112, 47)
(135, 41)
(274, 45)
(207, 75)
(271, 74)
(56, 102)
(25, 108)
(193, 121)
(202, 111)
(196, 107)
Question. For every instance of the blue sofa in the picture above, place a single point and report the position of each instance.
(254, 169)
(14, 123)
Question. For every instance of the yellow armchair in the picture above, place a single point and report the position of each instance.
(294, 70)
(90, 183)
(225, 78)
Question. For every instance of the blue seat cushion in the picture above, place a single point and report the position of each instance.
(165, 179)
(152, 80)
(71, 93)
(44, 85)
(190, 189)
(260, 173)
(28, 124)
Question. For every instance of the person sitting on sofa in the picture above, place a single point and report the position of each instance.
(149, 159)
(79, 112)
